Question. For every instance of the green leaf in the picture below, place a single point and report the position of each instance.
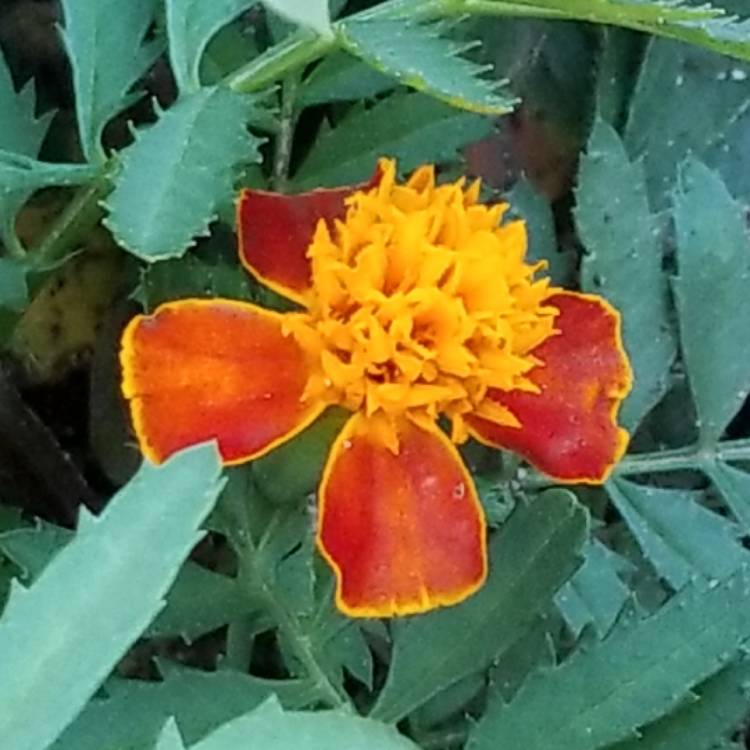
(680, 537)
(178, 171)
(21, 133)
(341, 77)
(271, 728)
(623, 263)
(697, 24)
(310, 13)
(417, 55)
(138, 546)
(191, 24)
(532, 555)
(663, 130)
(595, 594)
(199, 701)
(644, 669)
(734, 486)
(170, 738)
(713, 259)
(409, 127)
(198, 602)
(536, 211)
(105, 44)
(22, 174)
(720, 708)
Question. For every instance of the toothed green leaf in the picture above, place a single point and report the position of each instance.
(409, 127)
(191, 24)
(680, 537)
(604, 692)
(534, 553)
(199, 701)
(178, 171)
(703, 24)
(713, 260)
(105, 44)
(418, 56)
(734, 486)
(720, 708)
(272, 728)
(21, 133)
(78, 619)
(623, 263)
(310, 13)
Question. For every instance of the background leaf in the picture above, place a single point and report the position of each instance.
(190, 26)
(105, 44)
(310, 13)
(645, 668)
(274, 729)
(178, 171)
(78, 620)
(623, 263)
(409, 127)
(199, 701)
(533, 554)
(680, 537)
(418, 56)
(713, 257)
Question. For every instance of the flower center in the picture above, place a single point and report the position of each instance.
(421, 302)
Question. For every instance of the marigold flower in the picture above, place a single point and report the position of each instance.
(416, 303)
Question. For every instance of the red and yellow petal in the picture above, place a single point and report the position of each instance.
(198, 370)
(569, 428)
(275, 231)
(404, 532)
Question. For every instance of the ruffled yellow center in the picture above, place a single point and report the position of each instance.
(421, 302)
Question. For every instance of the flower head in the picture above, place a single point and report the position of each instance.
(417, 303)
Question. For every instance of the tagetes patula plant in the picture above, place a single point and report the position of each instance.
(416, 303)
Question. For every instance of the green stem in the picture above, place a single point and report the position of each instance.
(74, 224)
(279, 61)
(677, 459)
(285, 138)
(254, 576)
(239, 648)
(443, 740)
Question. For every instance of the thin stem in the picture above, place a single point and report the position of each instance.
(285, 139)
(677, 459)
(281, 60)
(239, 648)
(74, 224)
(253, 574)
(442, 740)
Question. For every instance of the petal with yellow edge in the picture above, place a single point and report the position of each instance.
(568, 429)
(197, 370)
(275, 231)
(404, 532)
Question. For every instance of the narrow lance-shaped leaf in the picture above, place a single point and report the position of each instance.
(190, 26)
(643, 670)
(177, 172)
(417, 55)
(272, 728)
(623, 262)
(700, 24)
(713, 258)
(60, 638)
(734, 486)
(411, 128)
(105, 44)
(680, 537)
(533, 554)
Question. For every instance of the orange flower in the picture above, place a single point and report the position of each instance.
(416, 302)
